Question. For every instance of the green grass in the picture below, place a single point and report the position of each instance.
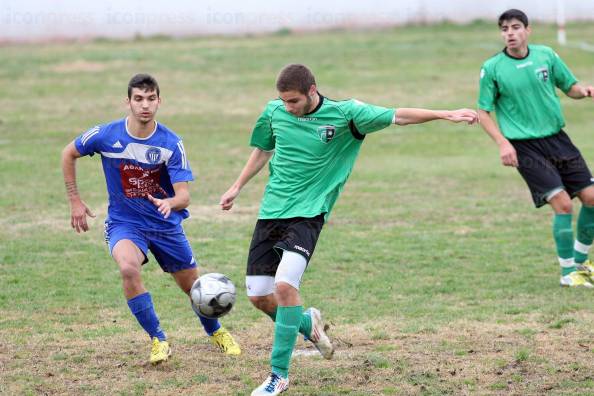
(430, 237)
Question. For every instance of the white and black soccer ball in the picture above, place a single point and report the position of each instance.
(213, 295)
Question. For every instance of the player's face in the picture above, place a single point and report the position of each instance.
(297, 103)
(144, 105)
(514, 34)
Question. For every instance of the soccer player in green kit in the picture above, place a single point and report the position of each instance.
(519, 85)
(312, 143)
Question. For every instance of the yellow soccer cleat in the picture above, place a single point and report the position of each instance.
(587, 268)
(160, 351)
(576, 279)
(225, 342)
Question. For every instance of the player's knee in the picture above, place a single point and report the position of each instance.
(588, 200)
(260, 302)
(562, 205)
(186, 289)
(129, 272)
(185, 279)
(284, 290)
(565, 207)
(256, 301)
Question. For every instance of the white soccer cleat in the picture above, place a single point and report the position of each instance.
(318, 336)
(274, 385)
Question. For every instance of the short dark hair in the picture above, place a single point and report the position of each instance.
(143, 81)
(513, 14)
(295, 77)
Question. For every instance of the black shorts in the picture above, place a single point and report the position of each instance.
(273, 236)
(550, 163)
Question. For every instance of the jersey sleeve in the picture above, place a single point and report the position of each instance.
(89, 142)
(562, 76)
(178, 166)
(487, 89)
(369, 118)
(262, 136)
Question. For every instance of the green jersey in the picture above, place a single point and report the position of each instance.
(522, 92)
(313, 154)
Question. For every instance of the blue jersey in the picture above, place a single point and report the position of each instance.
(135, 167)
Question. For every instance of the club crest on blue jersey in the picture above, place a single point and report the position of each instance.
(153, 155)
(326, 133)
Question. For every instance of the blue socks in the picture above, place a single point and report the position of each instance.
(144, 311)
(142, 308)
(210, 325)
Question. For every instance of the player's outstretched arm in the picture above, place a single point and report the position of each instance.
(255, 163)
(78, 209)
(406, 116)
(580, 91)
(179, 201)
(507, 152)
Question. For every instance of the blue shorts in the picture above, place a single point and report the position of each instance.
(170, 247)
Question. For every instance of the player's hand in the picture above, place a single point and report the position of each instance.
(227, 198)
(588, 91)
(462, 115)
(78, 215)
(508, 155)
(163, 205)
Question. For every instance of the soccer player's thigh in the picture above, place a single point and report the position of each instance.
(174, 254)
(542, 178)
(127, 246)
(263, 260)
(301, 238)
(578, 180)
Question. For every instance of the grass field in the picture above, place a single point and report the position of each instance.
(435, 272)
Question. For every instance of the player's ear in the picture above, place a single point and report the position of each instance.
(312, 90)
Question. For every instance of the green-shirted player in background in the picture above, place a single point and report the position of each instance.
(519, 85)
(312, 143)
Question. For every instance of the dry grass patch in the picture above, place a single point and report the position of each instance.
(529, 358)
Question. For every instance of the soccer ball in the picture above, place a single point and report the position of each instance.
(213, 295)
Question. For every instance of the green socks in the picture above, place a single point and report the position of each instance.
(563, 235)
(304, 326)
(286, 329)
(585, 234)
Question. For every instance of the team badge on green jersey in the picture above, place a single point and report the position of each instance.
(326, 132)
(542, 74)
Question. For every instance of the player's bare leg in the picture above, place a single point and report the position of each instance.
(129, 259)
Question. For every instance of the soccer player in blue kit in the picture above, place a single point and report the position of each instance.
(147, 174)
